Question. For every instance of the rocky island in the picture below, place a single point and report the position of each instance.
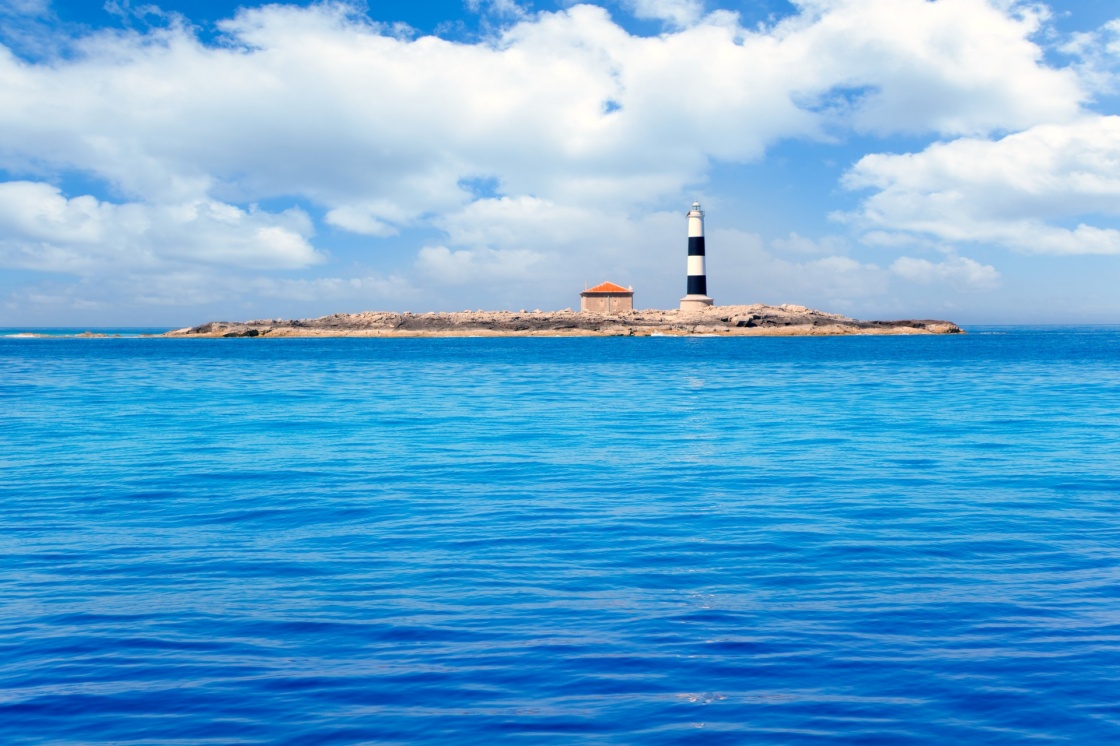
(730, 321)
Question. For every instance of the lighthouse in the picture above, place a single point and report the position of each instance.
(697, 298)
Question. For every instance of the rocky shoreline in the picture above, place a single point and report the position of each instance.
(753, 320)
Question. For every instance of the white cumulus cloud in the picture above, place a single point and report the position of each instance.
(320, 103)
(581, 131)
(1015, 191)
(957, 67)
(41, 229)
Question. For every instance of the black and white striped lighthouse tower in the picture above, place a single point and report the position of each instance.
(697, 298)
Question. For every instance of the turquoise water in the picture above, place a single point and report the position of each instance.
(873, 540)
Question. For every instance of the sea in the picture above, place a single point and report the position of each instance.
(844, 540)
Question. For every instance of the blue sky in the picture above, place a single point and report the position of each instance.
(174, 163)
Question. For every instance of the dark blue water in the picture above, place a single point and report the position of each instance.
(872, 540)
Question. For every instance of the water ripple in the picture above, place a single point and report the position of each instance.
(796, 541)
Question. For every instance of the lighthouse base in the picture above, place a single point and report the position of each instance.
(696, 302)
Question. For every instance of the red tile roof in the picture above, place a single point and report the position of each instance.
(608, 287)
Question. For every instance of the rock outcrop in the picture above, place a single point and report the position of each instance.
(754, 320)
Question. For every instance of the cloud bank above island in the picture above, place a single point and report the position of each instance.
(312, 139)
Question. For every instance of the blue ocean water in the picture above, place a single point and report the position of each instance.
(872, 540)
(74, 331)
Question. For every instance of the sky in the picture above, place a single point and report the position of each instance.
(174, 163)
